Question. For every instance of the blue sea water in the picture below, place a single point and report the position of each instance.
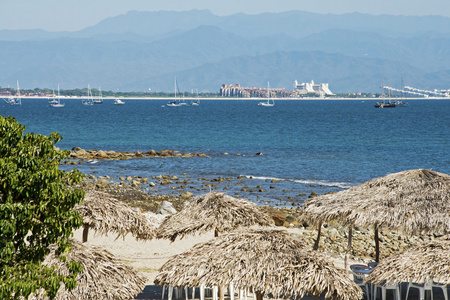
(309, 146)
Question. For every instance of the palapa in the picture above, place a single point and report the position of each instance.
(103, 213)
(419, 264)
(266, 261)
(413, 201)
(212, 211)
(103, 276)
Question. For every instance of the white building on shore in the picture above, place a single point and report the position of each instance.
(312, 88)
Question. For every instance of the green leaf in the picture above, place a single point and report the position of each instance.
(36, 210)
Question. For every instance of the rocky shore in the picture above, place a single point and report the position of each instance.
(134, 191)
(143, 194)
(270, 192)
(79, 155)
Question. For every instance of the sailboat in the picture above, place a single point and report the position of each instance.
(385, 104)
(268, 102)
(57, 102)
(176, 102)
(52, 100)
(99, 100)
(402, 103)
(89, 100)
(17, 100)
(196, 102)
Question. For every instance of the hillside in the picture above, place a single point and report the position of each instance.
(141, 50)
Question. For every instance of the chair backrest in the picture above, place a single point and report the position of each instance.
(359, 278)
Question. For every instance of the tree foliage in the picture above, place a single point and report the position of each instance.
(36, 210)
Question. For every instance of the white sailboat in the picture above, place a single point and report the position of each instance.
(176, 102)
(57, 102)
(17, 100)
(99, 100)
(196, 102)
(268, 102)
(88, 100)
(52, 100)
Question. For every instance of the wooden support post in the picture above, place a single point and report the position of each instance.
(221, 292)
(85, 232)
(349, 244)
(319, 231)
(377, 244)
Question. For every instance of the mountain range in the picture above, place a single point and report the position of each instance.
(138, 51)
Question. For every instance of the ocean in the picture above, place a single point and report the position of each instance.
(307, 146)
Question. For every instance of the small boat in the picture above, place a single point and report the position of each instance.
(175, 102)
(17, 100)
(52, 100)
(117, 101)
(99, 100)
(401, 102)
(196, 102)
(89, 100)
(384, 103)
(57, 102)
(268, 102)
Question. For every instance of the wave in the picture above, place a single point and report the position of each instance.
(342, 185)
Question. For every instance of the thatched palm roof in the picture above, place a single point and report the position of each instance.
(212, 211)
(413, 201)
(421, 263)
(103, 275)
(104, 214)
(266, 261)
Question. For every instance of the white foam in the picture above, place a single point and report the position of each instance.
(342, 185)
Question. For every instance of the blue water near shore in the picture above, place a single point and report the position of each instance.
(310, 146)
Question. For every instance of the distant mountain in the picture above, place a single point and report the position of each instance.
(343, 73)
(295, 24)
(141, 50)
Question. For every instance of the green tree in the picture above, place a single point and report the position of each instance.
(36, 210)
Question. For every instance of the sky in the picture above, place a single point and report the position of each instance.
(73, 15)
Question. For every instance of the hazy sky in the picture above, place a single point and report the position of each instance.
(71, 15)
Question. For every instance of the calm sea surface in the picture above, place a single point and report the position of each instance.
(309, 146)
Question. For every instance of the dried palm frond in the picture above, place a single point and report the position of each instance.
(213, 211)
(104, 214)
(267, 261)
(420, 264)
(413, 201)
(103, 276)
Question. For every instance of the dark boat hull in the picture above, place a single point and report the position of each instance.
(384, 105)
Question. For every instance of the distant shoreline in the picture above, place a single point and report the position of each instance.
(249, 99)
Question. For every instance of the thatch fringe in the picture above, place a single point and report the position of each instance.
(103, 275)
(265, 261)
(104, 214)
(414, 201)
(419, 264)
(212, 211)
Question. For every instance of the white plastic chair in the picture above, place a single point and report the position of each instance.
(169, 291)
(231, 291)
(360, 280)
(395, 287)
(428, 286)
(214, 289)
